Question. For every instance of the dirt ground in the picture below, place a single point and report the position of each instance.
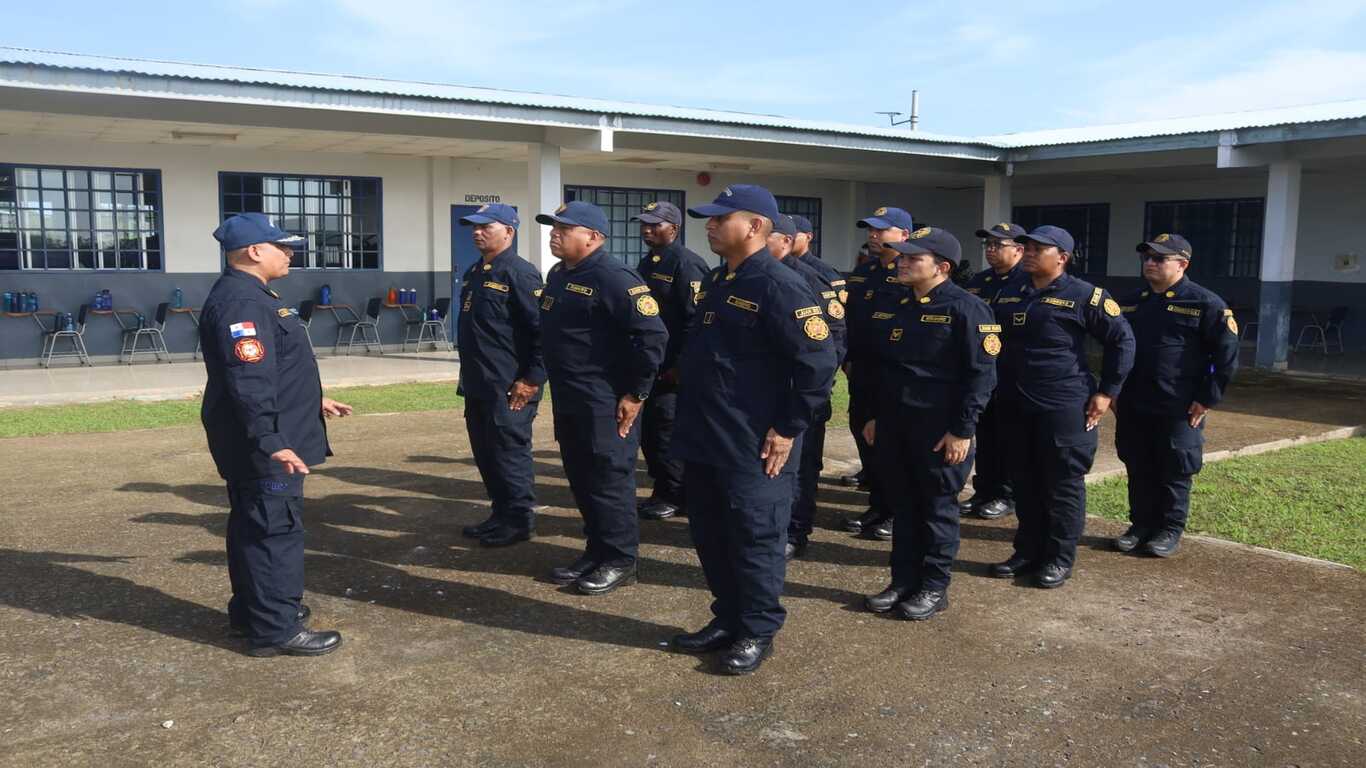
(113, 581)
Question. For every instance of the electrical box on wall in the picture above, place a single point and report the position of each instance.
(1346, 262)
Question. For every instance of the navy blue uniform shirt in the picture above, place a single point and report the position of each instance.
(600, 333)
(759, 357)
(940, 354)
(1187, 348)
(263, 393)
(874, 294)
(827, 297)
(500, 327)
(987, 285)
(1043, 363)
(674, 275)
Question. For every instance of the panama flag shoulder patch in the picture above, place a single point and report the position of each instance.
(240, 330)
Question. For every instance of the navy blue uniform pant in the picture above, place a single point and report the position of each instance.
(656, 433)
(863, 402)
(501, 440)
(266, 557)
(923, 493)
(601, 468)
(811, 464)
(1051, 452)
(992, 478)
(738, 517)
(1161, 453)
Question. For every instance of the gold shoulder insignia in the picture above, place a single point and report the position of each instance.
(1095, 297)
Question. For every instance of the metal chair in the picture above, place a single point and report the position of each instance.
(306, 308)
(1324, 332)
(152, 332)
(368, 326)
(430, 331)
(76, 337)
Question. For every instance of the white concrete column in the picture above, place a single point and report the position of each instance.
(996, 205)
(841, 239)
(1278, 263)
(544, 194)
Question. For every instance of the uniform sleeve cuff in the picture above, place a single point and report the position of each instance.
(271, 443)
(1110, 390)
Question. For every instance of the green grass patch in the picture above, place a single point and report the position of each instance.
(1310, 500)
(118, 415)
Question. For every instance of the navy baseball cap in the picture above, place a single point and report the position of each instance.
(932, 240)
(660, 212)
(246, 229)
(1167, 245)
(888, 218)
(739, 197)
(577, 214)
(1003, 231)
(784, 225)
(803, 225)
(1050, 235)
(493, 212)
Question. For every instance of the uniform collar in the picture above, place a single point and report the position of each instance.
(589, 261)
(751, 264)
(1178, 289)
(238, 274)
(1057, 285)
(935, 293)
(498, 261)
(668, 250)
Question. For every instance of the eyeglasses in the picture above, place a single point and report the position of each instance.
(996, 245)
(1158, 258)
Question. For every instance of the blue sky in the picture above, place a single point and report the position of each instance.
(981, 67)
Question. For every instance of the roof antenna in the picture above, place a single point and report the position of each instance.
(913, 120)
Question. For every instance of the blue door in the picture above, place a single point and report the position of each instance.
(463, 256)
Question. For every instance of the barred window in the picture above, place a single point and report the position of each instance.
(1225, 235)
(810, 207)
(338, 216)
(66, 218)
(1089, 225)
(620, 204)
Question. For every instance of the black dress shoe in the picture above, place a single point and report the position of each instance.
(481, 530)
(1052, 576)
(745, 656)
(996, 508)
(969, 506)
(504, 536)
(857, 524)
(237, 630)
(853, 481)
(1164, 544)
(881, 531)
(794, 548)
(606, 578)
(884, 600)
(568, 574)
(1132, 539)
(705, 640)
(923, 604)
(1011, 568)
(306, 643)
(657, 510)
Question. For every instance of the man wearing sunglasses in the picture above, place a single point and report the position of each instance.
(1187, 351)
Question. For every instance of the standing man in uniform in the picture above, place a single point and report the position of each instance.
(939, 368)
(674, 275)
(992, 495)
(603, 343)
(501, 373)
(758, 365)
(825, 294)
(263, 414)
(874, 295)
(1053, 402)
(1187, 351)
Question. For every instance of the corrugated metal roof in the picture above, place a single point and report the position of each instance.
(386, 87)
(1314, 113)
(1230, 121)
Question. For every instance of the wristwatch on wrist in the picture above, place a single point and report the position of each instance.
(640, 396)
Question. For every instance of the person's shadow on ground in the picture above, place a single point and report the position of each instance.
(52, 583)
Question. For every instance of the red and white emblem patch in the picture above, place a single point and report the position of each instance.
(249, 350)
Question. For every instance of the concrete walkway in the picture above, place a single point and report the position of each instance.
(185, 378)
